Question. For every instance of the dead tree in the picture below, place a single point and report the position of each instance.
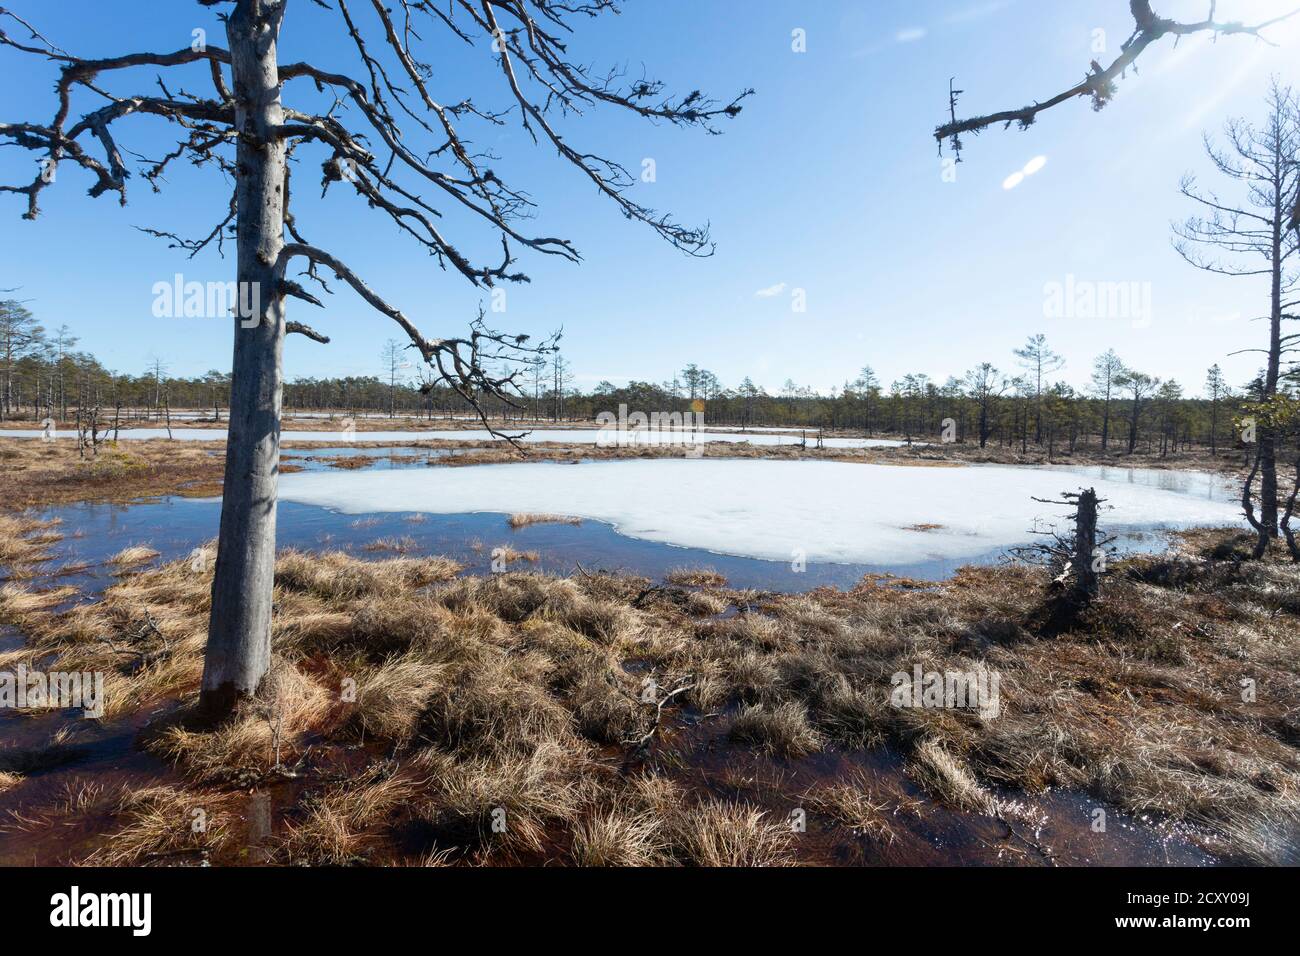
(88, 435)
(1250, 236)
(1077, 559)
(1099, 82)
(376, 127)
(1083, 563)
(985, 384)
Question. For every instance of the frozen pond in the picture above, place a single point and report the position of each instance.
(570, 436)
(879, 515)
(746, 519)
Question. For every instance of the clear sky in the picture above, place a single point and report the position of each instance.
(828, 182)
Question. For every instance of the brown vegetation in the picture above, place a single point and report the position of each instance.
(417, 716)
(38, 474)
(524, 520)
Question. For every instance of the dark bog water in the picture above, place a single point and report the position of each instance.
(175, 526)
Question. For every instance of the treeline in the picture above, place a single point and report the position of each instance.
(1122, 409)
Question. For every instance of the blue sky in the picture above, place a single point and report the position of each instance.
(828, 182)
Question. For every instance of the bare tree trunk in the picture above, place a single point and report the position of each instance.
(1085, 544)
(239, 629)
(1292, 545)
(1248, 506)
(1268, 494)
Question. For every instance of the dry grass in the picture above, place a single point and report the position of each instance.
(337, 827)
(402, 545)
(489, 719)
(524, 520)
(132, 556)
(948, 779)
(858, 805)
(392, 697)
(161, 824)
(717, 833)
(783, 729)
(25, 545)
(39, 474)
(505, 554)
(696, 578)
(615, 837)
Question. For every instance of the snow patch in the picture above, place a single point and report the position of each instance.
(828, 511)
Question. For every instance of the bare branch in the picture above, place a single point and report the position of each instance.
(1099, 83)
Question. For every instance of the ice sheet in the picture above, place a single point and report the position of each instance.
(781, 510)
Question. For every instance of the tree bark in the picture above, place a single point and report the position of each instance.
(1268, 493)
(239, 629)
(1086, 583)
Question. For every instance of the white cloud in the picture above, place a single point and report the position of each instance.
(771, 291)
(910, 35)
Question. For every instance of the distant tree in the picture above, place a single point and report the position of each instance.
(749, 393)
(1139, 388)
(61, 345)
(867, 386)
(1215, 389)
(1105, 370)
(158, 370)
(537, 374)
(710, 385)
(699, 383)
(561, 379)
(984, 384)
(392, 357)
(1169, 397)
(20, 336)
(218, 388)
(1038, 361)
